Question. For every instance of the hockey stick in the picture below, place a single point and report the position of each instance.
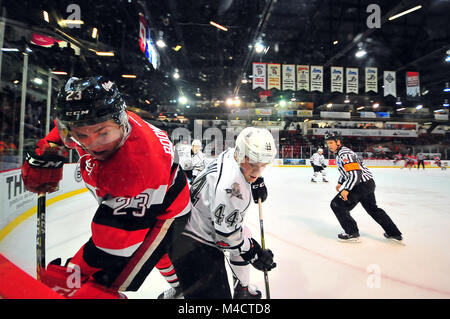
(263, 245)
(40, 236)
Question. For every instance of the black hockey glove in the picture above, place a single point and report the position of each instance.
(261, 259)
(323, 165)
(259, 190)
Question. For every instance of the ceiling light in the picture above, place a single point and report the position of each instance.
(347, 100)
(229, 101)
(176, 75)
(404, 12)
(259, 47)
(375, 105)
(329, 105)
(59, 72)
(177, 48)
(445, 104)
(419, 107)
(38, 81)
(447, 87)
(360, 108)
(129, 76)
(45, 13)
(78, 22)
(182, 99)
(360, 53)
(94, 33)
(401, 109)
(160, 43)
(399, 102)
(335, 42)
(221, 27)
(447, 58)
(10, 50)
(104, 53)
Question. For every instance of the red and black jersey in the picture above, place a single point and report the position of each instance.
(140, 190)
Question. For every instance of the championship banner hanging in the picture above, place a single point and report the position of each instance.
(352, 80)
(302, 77)
(371, 80)
(412, 84)
(289, 77)
(273, 76)
(316, 78)
(337, 79)
(390, 87)
(259, 76)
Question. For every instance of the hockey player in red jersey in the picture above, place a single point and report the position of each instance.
(128, 165)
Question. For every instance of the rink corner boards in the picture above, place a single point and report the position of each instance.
(5, 231)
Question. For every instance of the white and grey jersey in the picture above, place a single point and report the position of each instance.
(317, 159)
(198, 162)
(220, 196)
(352, 169)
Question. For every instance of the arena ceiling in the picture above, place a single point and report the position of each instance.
(212, 62)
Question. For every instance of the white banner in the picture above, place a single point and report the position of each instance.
(259, 76)
(389, 82)
(335, 115)
(316, 78)
(303, 77)
(273, 76)
(351, 75)
(366, 132)
(289, 77)
(371, 80)
(337, 79)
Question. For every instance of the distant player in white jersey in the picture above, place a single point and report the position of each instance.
(221, 195)
(318, 165)
(193, 161)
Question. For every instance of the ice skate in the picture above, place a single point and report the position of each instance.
(313, 181)
(172, 293)
(397, 239)
(354, 238)
(325, 180)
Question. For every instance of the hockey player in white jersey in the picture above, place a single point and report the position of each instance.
(318, 165)
(221, 195)
(193, 161)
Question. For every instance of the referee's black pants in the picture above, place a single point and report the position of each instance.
(363, 193)
(421, 162)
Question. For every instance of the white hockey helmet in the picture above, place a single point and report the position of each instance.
(320, 150)
(257, 144)
(197, 143)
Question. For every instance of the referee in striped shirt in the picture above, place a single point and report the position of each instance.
(356, 185)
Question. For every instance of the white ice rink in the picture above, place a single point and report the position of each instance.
(302, 230)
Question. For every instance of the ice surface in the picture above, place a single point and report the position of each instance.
(301, 230)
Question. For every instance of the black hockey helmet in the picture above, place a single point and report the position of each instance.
(333, 136)
(88, 101)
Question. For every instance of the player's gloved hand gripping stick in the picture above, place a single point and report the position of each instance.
(41, 173)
